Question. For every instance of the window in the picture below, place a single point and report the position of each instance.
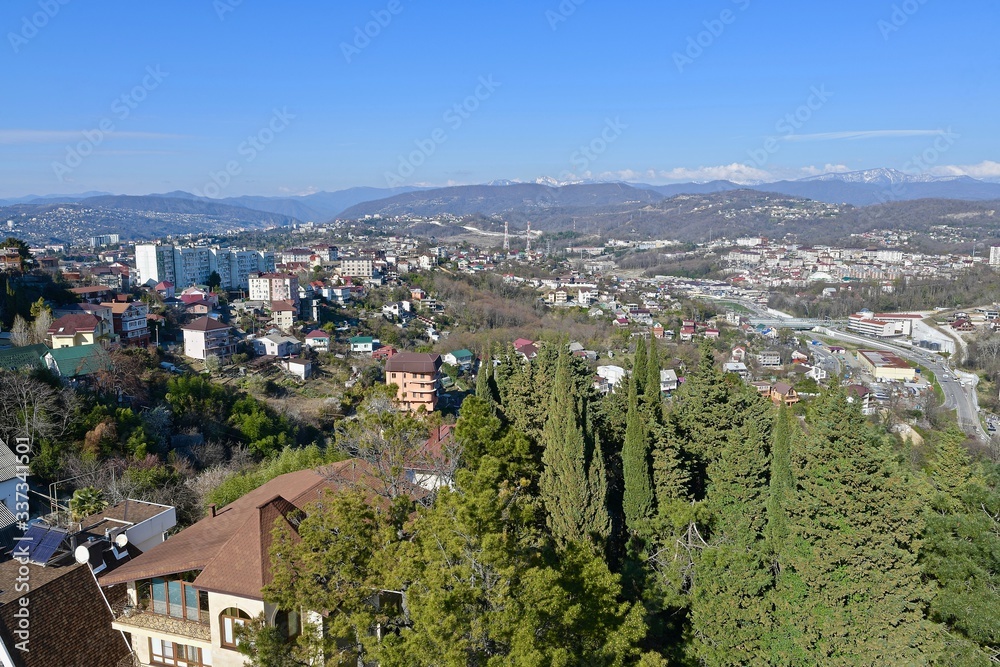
(288, 623)
(178, 655)
(179, 599)
(229, 619)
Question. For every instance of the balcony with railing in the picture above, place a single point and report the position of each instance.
(141, 618)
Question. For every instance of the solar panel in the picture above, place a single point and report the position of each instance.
(33, 537)
(42, 550)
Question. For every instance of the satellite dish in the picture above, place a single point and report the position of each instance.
(121, 539)
(82, 554)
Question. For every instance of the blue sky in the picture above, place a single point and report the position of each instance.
(226, 98)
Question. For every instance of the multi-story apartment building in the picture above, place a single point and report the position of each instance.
(205, 337)
(272, 287)
(357, 268)
(130, 322)
(194, 265)
(103, 240)
(187, 596)
(416, 378)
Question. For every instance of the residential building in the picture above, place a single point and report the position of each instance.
(416, 378)
(869, 325)
(103, 240)
(668, 380)
(865, 397)
(29, 356)
(769, 359)
(994, 255)
(283, 314)
(187, 596)
(130, 323)
(612, 374)
(356, 267)
(206, 337)
(430, 466)
(363, 344)
(885, 365)
(194, 265)
(276, 346)
(81, 329)
(782, 392)
(300, 368)
(459, 358)
(318, 340)
(270, 287)
(737, 367)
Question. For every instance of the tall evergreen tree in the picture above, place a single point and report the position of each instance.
(729, 607)
(652, 389)
(637, 501)
(781, 485)
(851, 591)
(576, 503)
(485, 383)
(640, 367)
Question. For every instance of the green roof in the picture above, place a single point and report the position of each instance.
(462, 354)
(81, 360)
(361, 340)
(19, 357)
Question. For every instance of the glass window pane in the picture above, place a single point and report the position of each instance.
(191, 602)
(174, 599)
(159, 595)
(227, 630)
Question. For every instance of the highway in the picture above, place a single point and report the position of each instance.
(962, 399)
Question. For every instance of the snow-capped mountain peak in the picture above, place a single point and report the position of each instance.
(880, 176)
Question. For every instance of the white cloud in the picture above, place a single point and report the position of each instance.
(861, 134)
(812, 170)
(735, 172)
(62, 136)
(985, 169)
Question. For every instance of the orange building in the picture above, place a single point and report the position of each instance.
(416, 378)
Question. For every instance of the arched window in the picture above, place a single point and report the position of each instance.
(229, 619)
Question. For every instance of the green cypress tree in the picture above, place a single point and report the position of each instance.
(485, 384)
(652, 393)
(575, 502)
(851, 591)
(781, 485)
(730, 613)
(640, 367)
(637, 501)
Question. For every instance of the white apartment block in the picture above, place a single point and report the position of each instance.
(357, 268)
(270, 287)
(193, 265)
(995, 255)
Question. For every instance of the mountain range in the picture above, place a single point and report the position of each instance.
(623, 209)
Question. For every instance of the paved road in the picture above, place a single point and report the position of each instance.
(961, 398)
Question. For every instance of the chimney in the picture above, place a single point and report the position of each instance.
(211, 509)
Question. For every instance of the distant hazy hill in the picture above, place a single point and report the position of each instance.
(194, 206)
(860, 193)
(493, 199)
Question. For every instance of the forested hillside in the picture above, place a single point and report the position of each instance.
(712, 528)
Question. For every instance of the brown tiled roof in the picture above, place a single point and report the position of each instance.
(205, 323)
(69, 325)
(70, 620)
(282, 306)
(230, 549)
(413, 362)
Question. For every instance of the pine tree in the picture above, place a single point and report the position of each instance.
(576, 503)
(637, 502)
(851, 591)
